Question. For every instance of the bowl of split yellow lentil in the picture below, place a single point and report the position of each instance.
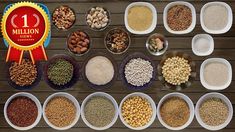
(137, 111)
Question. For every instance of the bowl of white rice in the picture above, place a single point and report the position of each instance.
(137, 71)
(99, 71)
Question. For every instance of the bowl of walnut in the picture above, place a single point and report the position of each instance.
(176, 70)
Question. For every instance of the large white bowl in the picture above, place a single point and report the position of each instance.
(102, 94)
(33, 98)
(221, 60)
(193, 11)
(230, 18)
(71, 98)
(150, 100)
(154, 22)
(223, 98)
(190, 105)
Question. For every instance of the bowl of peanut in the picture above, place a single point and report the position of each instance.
(137, 111)
(176, 70)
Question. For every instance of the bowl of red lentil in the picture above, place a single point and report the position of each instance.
(22, 111)
(214, 111)
(61, 111)
(175, 111)
(179, 17)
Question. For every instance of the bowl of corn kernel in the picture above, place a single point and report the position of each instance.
(176, 70)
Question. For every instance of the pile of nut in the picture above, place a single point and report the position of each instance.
(78, 42)
(97, 18)
(63, 17)
(176, 70)
(156, 44)
(136, 111)
(117, 40)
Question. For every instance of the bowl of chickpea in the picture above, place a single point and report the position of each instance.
(176, 70)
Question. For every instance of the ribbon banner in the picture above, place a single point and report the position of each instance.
(25, 27)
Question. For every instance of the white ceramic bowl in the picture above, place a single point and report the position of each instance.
(188, 101)
(221, 60)
(71, 98)
(154, 22)
(230, 18)
(102, 94)
(211, 44)
(150, 100)
(33, 98)
(193, 11)
(226, 101)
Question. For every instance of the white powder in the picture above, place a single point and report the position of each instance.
(202, 45)
(216, 74)
(99, 70)
(215, 17)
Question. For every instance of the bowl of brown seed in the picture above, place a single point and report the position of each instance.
(25, 75)
(175, 111)
(176, 70)
(214, 111)
(63, 17)
(117, 41)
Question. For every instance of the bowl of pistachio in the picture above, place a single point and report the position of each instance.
(157, 44)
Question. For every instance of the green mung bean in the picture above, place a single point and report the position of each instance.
(60, 72)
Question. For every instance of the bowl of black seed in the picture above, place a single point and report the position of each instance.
(137, 71)
(61, 72)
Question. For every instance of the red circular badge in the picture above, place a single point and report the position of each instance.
(25, 26)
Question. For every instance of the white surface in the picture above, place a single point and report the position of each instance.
(152, 103)
(188, 101)
(216, 95)
(33, 98)
(71, 98)
(102, 94)
(230, 18)
(193, 11)
(221, 60)
(154, 13)
(211, 44)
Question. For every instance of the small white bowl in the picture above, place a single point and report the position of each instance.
(193, 11)
(152, 103)
(211, 44)
(154, 22)
(223, 98)
(230, 18)
(33, 98)
(102, 94)
(221, 60)
(190, 105)
(72, 99)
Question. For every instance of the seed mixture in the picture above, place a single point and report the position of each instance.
(175, 112)
(23, 74)
(216, 74)
(138, 72)
(117, 40)
(179, 17)
(78, 42)
(139, 18)
(60, 72)
(136, 111)
(63, 17)
(97, 18)
(22, 111)
(60, 111)
(176, 70)
(213, 111)
(215, 17)
(99, 111)
(99, 70)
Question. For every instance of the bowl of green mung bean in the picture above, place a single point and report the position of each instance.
(61, 72)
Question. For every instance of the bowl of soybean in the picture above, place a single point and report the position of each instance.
(99, 111)
(61, 72)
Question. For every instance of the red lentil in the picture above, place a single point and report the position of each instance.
(22, 111)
